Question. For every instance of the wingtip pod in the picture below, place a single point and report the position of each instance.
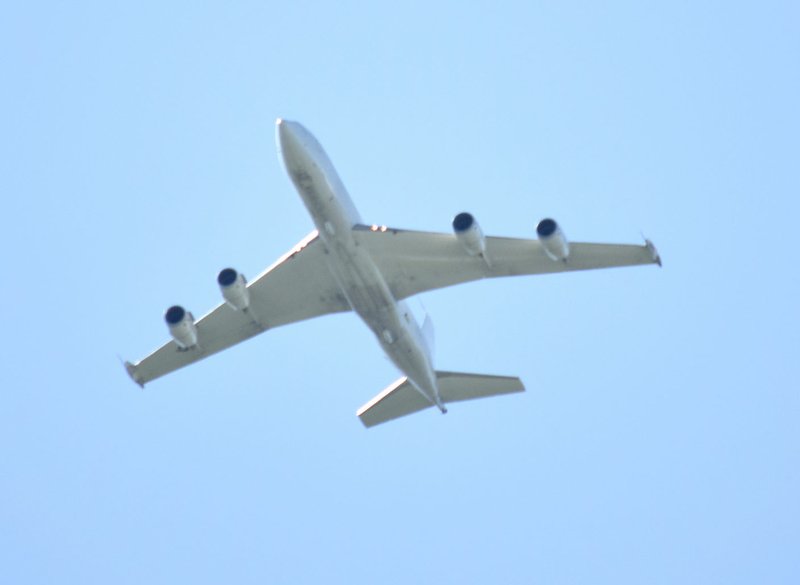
(653, 252)
(132, 372)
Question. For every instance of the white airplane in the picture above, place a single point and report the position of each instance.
(346, 265)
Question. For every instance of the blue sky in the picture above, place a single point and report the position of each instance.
(658, 439)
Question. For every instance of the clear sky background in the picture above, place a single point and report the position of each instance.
(658, 440)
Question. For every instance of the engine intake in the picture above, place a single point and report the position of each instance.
(469, 233)
(553, 239)
(181, 326)
(234, 289)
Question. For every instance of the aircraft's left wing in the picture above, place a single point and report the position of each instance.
(298, 286)
(413, 262)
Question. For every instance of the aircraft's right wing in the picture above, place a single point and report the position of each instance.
(297, 286)
(413, 262)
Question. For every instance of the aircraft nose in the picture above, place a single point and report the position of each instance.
(288, 135)
(283, 137)
(282, 129)
(288, 129)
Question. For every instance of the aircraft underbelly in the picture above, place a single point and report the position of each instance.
(354, 270)
(368, 294)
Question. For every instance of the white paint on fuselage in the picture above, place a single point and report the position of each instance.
(362, 284)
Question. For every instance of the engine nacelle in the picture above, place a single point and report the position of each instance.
(469, 233)
(234, 289)
(553, 239)
(181, 326)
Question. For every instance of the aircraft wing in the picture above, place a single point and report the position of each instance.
(296, 287)
(413, 262)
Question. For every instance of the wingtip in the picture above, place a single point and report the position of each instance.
(656, 256)
(133, 373)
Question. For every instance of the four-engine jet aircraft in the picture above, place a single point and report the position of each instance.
(346, 265)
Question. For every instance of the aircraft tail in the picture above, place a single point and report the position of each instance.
(401, 398)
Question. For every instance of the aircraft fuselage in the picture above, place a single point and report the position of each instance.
(359, 279)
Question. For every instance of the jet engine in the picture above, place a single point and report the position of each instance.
(469, 233)
(234, 289)
(181, 326)
(553, 239)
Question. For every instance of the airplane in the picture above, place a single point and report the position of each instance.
(347, 265)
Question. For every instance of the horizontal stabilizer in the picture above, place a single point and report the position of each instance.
(401, 398)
